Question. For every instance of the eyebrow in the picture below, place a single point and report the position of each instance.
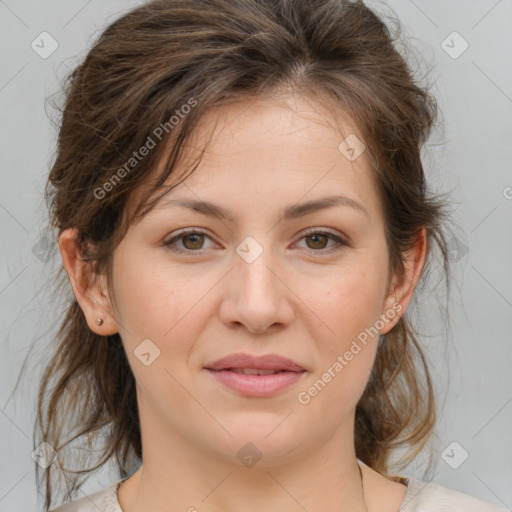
(291, 212)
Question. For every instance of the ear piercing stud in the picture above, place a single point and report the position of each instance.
(99, 321)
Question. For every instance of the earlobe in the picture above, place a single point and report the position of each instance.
(402, 290)
(87, 285)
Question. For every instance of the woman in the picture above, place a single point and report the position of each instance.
(243, 218)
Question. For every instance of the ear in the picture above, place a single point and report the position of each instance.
(402, 288)
(88, 287)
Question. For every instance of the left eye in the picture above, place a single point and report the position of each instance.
(319, 237)
(193, 240)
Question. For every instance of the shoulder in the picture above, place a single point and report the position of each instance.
(428, 496)
(104, 500)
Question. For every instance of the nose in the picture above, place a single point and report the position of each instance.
(257, 295)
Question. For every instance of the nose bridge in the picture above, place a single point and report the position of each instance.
(257, 297)
(255, 261)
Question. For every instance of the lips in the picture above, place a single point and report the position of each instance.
(256, 377)
(255, 365)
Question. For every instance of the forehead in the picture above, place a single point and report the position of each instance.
(269, 151)
(305, 124)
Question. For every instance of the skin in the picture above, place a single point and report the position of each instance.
(296, 300)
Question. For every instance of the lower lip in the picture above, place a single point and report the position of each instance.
(257, 385)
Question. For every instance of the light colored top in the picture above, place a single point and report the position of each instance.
(420, 497)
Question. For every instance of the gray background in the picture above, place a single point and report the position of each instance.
(474, 91)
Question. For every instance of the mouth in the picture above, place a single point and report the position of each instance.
(250, 371)
(253, 376)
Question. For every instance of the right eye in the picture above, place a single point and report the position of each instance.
(191, 239)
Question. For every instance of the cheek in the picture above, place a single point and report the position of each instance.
(349, 310)
(347, 349)
(156, 329)
(158, 303)
(349, 301)
(150, 297)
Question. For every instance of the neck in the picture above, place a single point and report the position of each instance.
(177, 475)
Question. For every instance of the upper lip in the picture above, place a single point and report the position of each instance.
(265, 362)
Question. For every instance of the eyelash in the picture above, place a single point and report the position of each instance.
(340, 242)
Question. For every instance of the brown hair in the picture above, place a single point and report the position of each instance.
(145, 68)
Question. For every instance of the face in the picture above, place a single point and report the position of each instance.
(269, 277)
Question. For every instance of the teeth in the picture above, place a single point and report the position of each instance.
(254, 371)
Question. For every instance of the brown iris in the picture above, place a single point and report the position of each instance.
(197, 239)
(316, 236)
